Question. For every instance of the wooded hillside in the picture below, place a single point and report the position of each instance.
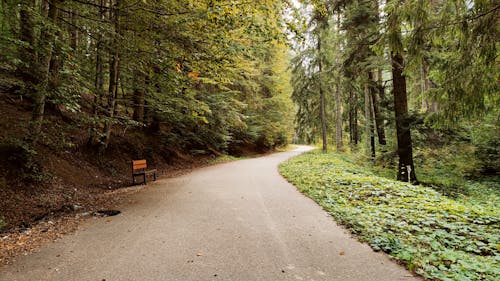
(97, 83)
(89, 85)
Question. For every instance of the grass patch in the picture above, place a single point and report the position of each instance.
(288, 147)
(444, 172)
(224, 159)
(434, 235)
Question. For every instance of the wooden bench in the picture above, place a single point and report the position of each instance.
(139, 169)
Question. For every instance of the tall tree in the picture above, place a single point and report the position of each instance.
(406, 168)
(40, 66)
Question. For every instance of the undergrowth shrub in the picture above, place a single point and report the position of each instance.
(486, 137)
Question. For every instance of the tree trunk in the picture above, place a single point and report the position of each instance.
(98, 84)
(139, 97)
(338, 118)
(41, 71)
(56, 62)
(379, 120)
(406, 168)
(322, 101)
(369, 130)
(114, 73)
(74, 32)
(428, 104)
(353, 119)
(338, 101)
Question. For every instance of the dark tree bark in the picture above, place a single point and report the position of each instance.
(428, 103)
(139, 98)
(338, 118)
(406, 168)
(57, 59)
(353, 119)
(73, 31)
(322, 101)
(379, 120)
(369, 128)
(114, 74)
(98, 83)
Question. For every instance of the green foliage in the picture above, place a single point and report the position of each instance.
(436, 236)
(197, 75)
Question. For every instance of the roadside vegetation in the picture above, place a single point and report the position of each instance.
(404, 90)
(432, 234)
(87, 86)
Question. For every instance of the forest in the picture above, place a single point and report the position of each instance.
(390, 89)
(406, 91)
(90, 85)
(400, 78)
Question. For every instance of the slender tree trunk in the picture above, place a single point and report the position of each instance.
(372, 126)
(57, 60)
(98, 83)
(379, 120)
(423, 87)
(428, 104)
(338, 100)
(406, 168)
(114, 73)
(338, 118)
(369, 130)
(74, 32)
(139, 97)
(380, 86)
(353, 119)
(322, 101)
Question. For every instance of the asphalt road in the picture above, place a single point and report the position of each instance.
(234, 221)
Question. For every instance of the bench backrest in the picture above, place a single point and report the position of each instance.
(139, 164)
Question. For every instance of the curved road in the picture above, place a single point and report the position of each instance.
(234, 221)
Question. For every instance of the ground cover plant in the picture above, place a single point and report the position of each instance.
(434, 235)
(452, 170)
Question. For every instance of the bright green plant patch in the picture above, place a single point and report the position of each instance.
(225, 158)
(438, 237)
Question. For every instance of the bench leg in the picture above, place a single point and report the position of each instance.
(144, 178)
